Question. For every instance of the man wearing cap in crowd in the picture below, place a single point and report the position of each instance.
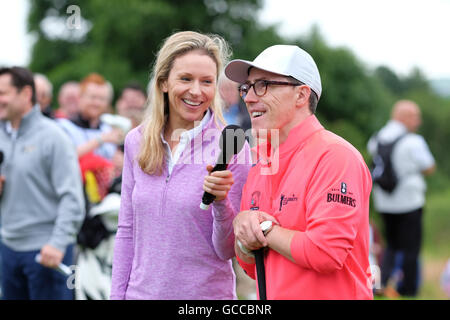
(310, 184)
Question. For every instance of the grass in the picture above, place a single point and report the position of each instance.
(436, 244)
(430, 289)
(437, 224)
(431, 275)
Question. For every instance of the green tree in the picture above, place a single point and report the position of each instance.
(390, 79)
(351, 95)
(435, 113)
(119, 39)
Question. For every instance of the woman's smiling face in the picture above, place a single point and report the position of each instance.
(191, 87)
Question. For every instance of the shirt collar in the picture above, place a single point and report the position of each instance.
(397, 125)
(185, 139)
(188, 135)
(297, 136)
(24, 122)
(9, 129)
(83, 123)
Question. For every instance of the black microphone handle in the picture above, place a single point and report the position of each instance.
(227, 151)
(208, 198)
(220, 167)
(2, 157)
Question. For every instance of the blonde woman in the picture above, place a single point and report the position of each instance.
(166, 247)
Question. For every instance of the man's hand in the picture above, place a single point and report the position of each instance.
(2, 182)
(429, 171)
(218, 183)
(247, 228)
(50, 256)
(115, 136)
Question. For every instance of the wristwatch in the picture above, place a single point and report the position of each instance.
(266, 227)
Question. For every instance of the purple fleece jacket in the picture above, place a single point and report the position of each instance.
(166, 247)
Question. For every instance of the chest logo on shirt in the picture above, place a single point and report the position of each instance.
(28, 149)
(284, 200)
(254, 203)
(339, 195)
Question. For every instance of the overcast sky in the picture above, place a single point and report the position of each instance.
(15, 45)
(397, 33)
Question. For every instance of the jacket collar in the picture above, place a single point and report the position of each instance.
(297, 136)
(83, 123)
(26, 122)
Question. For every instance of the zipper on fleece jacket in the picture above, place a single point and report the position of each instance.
(6, 164)
(164, 193)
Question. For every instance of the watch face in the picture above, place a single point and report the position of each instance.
(265, 225)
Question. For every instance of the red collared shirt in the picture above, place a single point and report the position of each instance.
(320, 186)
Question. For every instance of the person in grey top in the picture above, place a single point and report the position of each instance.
(402, 209)
(41, 197)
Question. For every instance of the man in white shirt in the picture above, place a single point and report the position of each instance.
(402, 209)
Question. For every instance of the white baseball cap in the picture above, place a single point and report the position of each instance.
(286, 60)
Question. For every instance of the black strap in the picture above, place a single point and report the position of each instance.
(395, 140)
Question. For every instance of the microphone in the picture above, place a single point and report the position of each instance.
(2, 156)
(231, 141)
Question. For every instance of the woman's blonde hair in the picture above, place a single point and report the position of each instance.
(152, 152)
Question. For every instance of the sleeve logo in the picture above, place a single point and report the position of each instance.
(340, 196)
(343, 188)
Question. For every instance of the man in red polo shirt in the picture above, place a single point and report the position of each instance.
(310, 183)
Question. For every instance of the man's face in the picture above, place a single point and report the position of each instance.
(12, 101)
(94, 101)
(276, 108)
(69, 99)
(413, 120)
(408, 113)
(43, 95)
(130, 101)
(228, 92)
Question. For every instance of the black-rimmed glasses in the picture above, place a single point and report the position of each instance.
(260, 86)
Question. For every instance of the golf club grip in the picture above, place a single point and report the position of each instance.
(260, 273)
